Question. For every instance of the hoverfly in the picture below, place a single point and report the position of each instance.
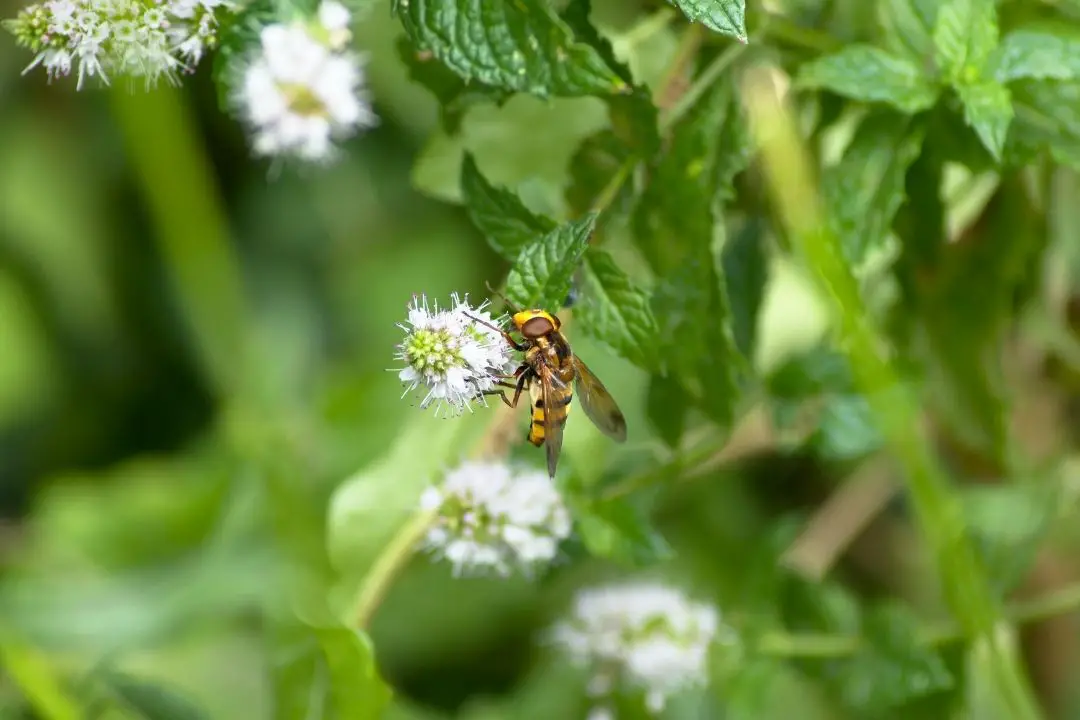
(550, 370)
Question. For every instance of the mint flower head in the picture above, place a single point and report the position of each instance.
(147, 39)
(303, 90)
(450, 355)
(495, 518)
(639, 636)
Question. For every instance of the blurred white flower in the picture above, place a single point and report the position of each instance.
(301, 92)
(495, 517)
(639, 635)
(453, 357)
(147, 39)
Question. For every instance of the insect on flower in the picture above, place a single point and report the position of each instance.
(551, 371)
(452, 353)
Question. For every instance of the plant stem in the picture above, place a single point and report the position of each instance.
(391, 561)
(825, 645)
(703, 82)
(190, 226)
(936, 507)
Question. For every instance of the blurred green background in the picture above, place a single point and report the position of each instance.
(170, 440)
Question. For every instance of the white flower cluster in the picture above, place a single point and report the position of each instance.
(495, 517)
(455, 358)
(303, 90)
(639, 636)
(146, 39)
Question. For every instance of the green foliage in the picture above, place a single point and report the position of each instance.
(723, 16)
(521, 47)
(863, 72)
(878, 263)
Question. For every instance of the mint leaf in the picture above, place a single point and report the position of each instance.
(908, 26)
(988, 110)
(869, 74)
(724, 16)
(666, 405)
(745, 265)
(614, 310)
(1038, 54)
(866, 188)
(1048, 118)
(1008, 524)
(520, 46)
(895, 668)
(634, 117)
(330, 668)
(454, 94)
(846, 429)
(544, 269)
(505, 222)
(965, 37)
(679, 228)
(356, 689)
(965, 34)
(618, 530)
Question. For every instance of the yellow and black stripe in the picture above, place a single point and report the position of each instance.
(561, 410)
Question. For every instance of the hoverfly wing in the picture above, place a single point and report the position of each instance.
(552, 389)
(598, 404)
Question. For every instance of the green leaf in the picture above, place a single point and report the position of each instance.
(1008, 524)
(356, 689)
(519, 46)
(504, 220)
(724, 16)
(454, 94)
(1039, 55)
(332, 669)
(544, 270)
(966, 313)
(667, 405)
(865, 189)
(1047, 118)
(634, 117)
(150, 699)
(745, 265)
(965, 35)
(678, 225)
(895, 668)
(846, 430)
(988, 110)
(616, 311)
(908, 26)
(869, 74)
(618, 530)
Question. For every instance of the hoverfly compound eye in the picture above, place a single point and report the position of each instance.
(536, 327)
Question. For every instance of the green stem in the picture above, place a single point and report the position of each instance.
(190, 226)
(897, 414)
(702, 83)
(391, 561)
(825, 645)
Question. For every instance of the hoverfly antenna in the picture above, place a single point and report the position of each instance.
(498, 294)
